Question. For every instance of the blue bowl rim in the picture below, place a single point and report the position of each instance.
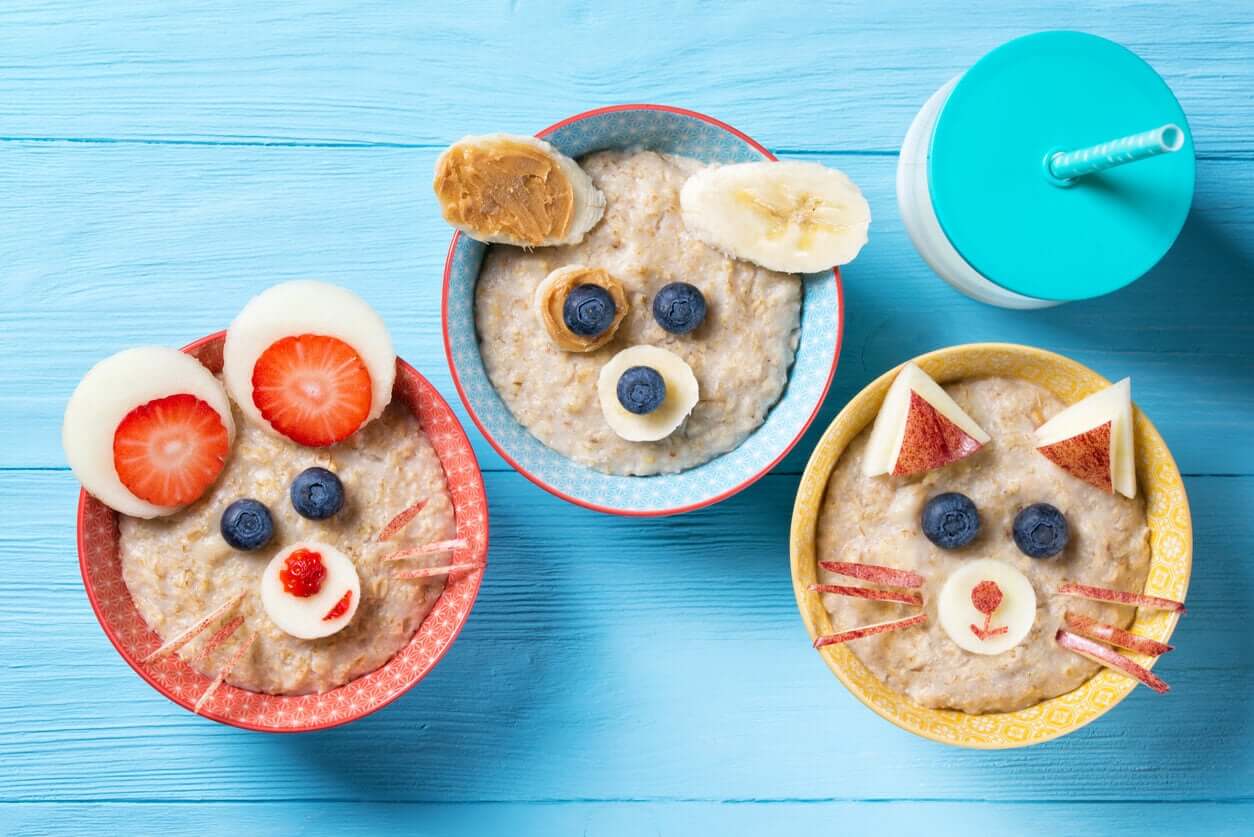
(709, 501)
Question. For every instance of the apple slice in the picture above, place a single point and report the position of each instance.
(874, 573)
(431, 572)
(1110, 658)
(919, 428)
(1089, 627)
(1092, 440)
(868, 593)
(1103, 594)
(870, 630)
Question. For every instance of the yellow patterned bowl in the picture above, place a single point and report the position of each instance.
(1171, 548)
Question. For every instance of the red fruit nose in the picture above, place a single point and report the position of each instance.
(986, 596)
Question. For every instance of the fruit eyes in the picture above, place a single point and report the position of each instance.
(1040, 531)
(317, 493)
(589, 310)
(950, 520)
(679, 307)
(246, 525)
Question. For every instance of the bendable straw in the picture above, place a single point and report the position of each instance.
(1068, 165)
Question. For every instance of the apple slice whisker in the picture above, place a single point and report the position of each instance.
(868, 593)
(401, 520)
(874, 573)
(430, 572)
(870, 630)
(1109, 658)
(224, 672)
(433, 548)
(182, 638)
(216, 640)
(1102, 594)
(1087, 626)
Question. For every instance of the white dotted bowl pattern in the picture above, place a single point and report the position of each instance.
(675, 132)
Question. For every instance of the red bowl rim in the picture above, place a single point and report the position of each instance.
(83, 497)
(461, 392)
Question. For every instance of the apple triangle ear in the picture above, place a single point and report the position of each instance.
(1093, 440)
(919, 428)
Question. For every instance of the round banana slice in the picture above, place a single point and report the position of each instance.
(680, 387)
(310, 590)
(787, 216)
(506, 189)
(987, 607)
(552, 294)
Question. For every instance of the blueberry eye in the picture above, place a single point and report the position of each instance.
(1040, 531)
(679, 307)
(641, 390)
(588, 310)
(246, 525)
(317, 493)
(950, 520)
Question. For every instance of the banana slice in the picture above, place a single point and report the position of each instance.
(987, 607)
(505, 189)
(679, 393)
(550, 302)
(787, 216)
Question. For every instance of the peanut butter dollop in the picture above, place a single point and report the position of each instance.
(505, 188)
(551, 296)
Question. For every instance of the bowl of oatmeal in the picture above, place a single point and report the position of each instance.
(920, 678)
(764, 355)
(148, 579)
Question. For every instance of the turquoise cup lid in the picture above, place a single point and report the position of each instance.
(989, 178)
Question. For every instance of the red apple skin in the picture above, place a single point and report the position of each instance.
(1089, 627)
(1102, 594)
(1086, 456)
(1099, 653)
(867, 593)
(931, 440)
(870, 630)
(874, 573)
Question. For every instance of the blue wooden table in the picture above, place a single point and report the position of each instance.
(162, 161)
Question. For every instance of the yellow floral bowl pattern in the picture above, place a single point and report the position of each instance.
(1171, 547)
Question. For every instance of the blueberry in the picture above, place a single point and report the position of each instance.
(246, 525)
(589, 310)
(317, 493)
(641, 390)
(950, 520)
(1040, 531)
(679, 308)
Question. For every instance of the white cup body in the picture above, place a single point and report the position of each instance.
(914, 201)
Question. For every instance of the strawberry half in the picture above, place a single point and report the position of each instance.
(314, 390)
(170, 450)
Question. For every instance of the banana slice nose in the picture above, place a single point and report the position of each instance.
(987, 607)
(679, 385)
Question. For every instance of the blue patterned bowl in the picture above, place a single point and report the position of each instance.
(676, 131)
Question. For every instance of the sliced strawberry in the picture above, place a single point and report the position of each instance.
(170, 450)
(314, 390)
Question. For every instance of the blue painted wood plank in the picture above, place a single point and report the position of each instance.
(631, 819)
(116, 245)
(607, 659)
(797, 74)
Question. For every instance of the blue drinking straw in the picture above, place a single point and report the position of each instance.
(1068, 165)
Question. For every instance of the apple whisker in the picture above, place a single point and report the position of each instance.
(1109, 658)
(217, 639)
(867, 593)
(224, 672)
(874, 573)
(1102, 594)
(401, 520)
(428, 549)
(429, 572)
(870, 630)
(183, 637)
(1087, 626)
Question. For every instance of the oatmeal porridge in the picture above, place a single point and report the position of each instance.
(740, 354)
(179, 567)
(876, 520)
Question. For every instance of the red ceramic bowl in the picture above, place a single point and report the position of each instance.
(172, 677)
